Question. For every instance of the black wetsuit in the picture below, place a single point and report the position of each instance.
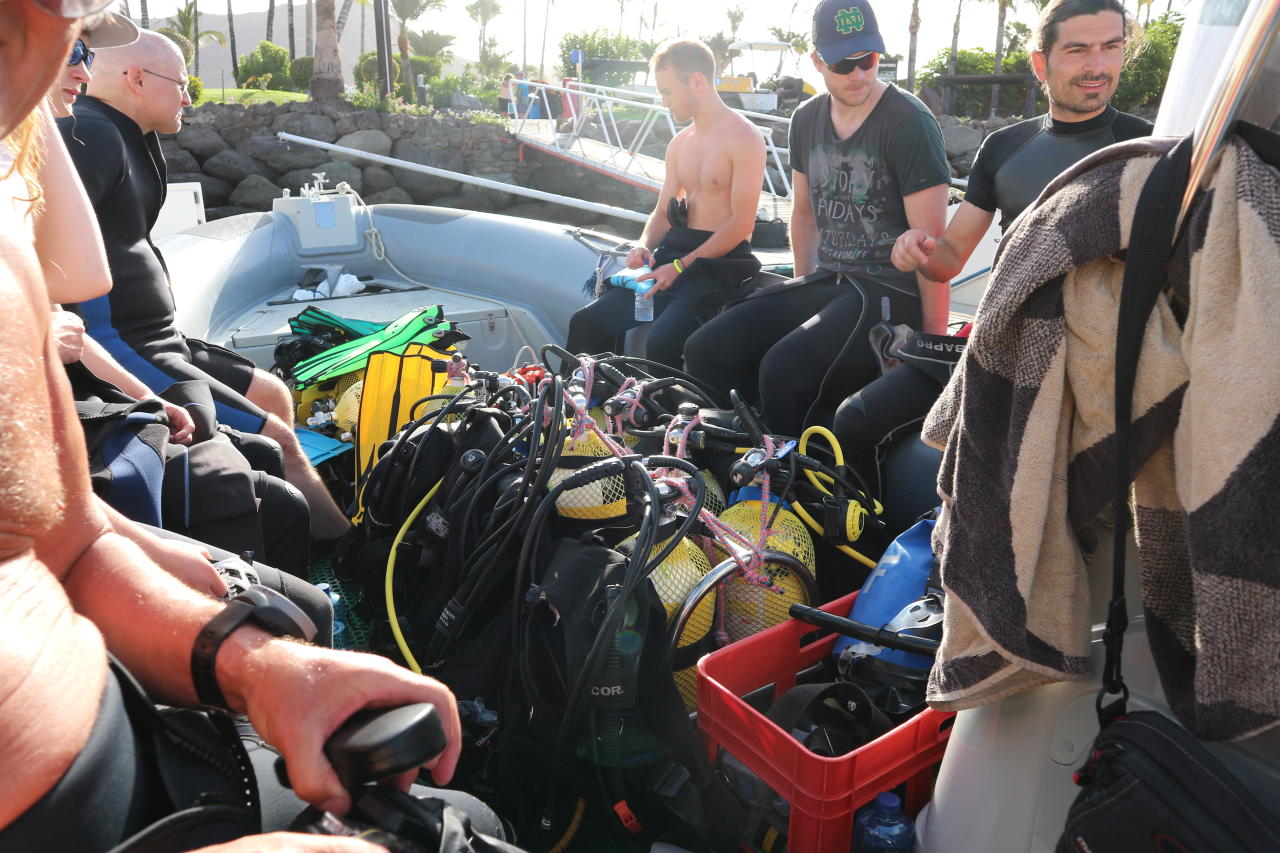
(1016, 162)
(1013, 166)
(692, 299)
(124, 173)
(802, 346)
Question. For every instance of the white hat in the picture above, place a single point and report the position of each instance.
(108, 29)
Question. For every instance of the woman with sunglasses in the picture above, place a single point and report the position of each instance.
(868, 163)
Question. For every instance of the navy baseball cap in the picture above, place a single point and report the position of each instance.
(842, 28)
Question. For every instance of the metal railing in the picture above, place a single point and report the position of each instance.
(514, 189)
(587, 100)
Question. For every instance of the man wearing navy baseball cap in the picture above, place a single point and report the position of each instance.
(867, 163)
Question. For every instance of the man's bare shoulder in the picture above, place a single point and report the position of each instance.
(741, 129)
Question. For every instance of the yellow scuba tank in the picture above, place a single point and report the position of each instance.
(602, 501)
(393, 383)
(674, 580)
(750, 607)
(347, 411)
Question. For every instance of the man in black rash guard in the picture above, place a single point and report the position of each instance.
(867, 162)
(1079, 54)
(137, 92)
(1080, 51)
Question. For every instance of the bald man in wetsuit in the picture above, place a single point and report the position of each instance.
(136, 93)
(1078, 59)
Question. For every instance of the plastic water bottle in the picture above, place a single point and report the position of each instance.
(883, 826)
(644, 309)
(339, 615)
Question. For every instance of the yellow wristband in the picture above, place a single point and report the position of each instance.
(679, 266)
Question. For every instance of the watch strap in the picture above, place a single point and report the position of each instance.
(260, 605)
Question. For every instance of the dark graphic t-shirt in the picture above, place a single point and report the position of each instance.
(856, 184)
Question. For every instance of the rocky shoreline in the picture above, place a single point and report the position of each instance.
(232, 151)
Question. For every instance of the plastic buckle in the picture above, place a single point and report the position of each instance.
(628, 817)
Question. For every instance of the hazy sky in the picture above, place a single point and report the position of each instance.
(685, 17)
(675, 17)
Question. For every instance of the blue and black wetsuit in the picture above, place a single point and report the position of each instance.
(123, 171)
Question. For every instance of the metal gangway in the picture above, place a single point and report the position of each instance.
(591, 130)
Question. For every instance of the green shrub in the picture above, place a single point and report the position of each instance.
(195, 87)
(366, 70)
(266, 59)
(428, 66)
(300, 72)
(602, 44)
(974, 100)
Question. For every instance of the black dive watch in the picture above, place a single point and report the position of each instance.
(258, 604)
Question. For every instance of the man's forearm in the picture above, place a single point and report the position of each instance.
(945, 264)
(105, 367)
(655, 230)
(804, 245)
(149, 619)
(935, 305)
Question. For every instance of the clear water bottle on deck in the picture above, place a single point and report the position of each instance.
(882, 826)
(339, 615)
(644, 309)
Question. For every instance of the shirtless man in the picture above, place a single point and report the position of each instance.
(696, 238)
(72, 588)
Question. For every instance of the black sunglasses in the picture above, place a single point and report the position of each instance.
(846, 66)
(81, 53)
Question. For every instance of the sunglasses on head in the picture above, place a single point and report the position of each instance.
(81, 53)
(846, 66)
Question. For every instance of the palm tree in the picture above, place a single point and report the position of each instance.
(542, 57)
(406, 12)
(185, 24)
(995, 88)
(293, 54)
(735, 20)
(911, 47)
(231, 38)
(622, 13)
(364, 16)
(309, 27)
(482, 12)
(949, 97)
(492, 63)
(431, 43)
(271, 19)
(326, 82)
(146, 19)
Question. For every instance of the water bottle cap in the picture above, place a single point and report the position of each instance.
(888, 802)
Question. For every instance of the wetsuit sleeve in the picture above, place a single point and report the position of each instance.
(919, 159)
(982, 186)
(97, 151)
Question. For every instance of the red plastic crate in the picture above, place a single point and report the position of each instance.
(823, 792)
